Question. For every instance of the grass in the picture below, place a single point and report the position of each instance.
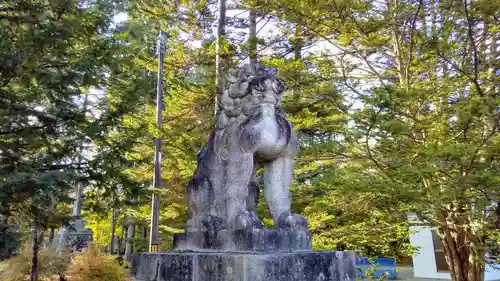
(3, 270)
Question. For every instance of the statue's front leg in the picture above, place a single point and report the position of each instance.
(278, 176)
(239, 170)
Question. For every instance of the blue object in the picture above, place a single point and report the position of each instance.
(383, 267)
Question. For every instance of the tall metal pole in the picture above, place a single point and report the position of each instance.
(77, 205)
(155, 206)
(113, 231)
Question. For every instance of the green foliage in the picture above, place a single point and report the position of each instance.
(51, 56)
(333, 190)
(345, 211)
(101, 228)
(187, 109)
(85, 266)
(9, 241)
(315, 106)
(369, 273)
(92, 265)
(51, 265)
(395, 105)
(422, 113)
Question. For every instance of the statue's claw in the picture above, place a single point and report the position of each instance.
(294, 221)
(207, 223)
(248, 220)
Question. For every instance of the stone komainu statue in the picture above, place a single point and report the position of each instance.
(251, 132)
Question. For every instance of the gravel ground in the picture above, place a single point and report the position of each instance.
(406, 274)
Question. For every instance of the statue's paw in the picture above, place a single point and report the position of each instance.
(294, 221)
(205, 223)
(213, 224)
(248, 220)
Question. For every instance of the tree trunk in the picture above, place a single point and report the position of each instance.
(298, 42)
(41, 238)
(121, 241)
(433, 19)
(498, 216)
(252, 39)
(297, 45)
(423, 20)
(221, 31)
(51, 235)
(463, 256)
(34, 259)
(493, 67)
(113, 230)
(130, 241)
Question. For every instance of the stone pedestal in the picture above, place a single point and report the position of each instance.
(256, 240)
(73, 239)
(226, 266)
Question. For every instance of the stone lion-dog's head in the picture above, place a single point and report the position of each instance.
(250, 87)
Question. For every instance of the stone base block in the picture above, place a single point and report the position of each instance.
(256, 240)
(207, 266)
(74, 239)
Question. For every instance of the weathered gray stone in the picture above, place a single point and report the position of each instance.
(255, 240)
(77, 236)
(74, 238)
(224, 240)
(252, 132)
(206, 266)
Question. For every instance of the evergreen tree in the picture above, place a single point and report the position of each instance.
(423, 129)
(52, 55)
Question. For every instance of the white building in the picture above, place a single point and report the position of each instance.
(429, 261)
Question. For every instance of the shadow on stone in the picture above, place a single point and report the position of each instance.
(199, 266)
